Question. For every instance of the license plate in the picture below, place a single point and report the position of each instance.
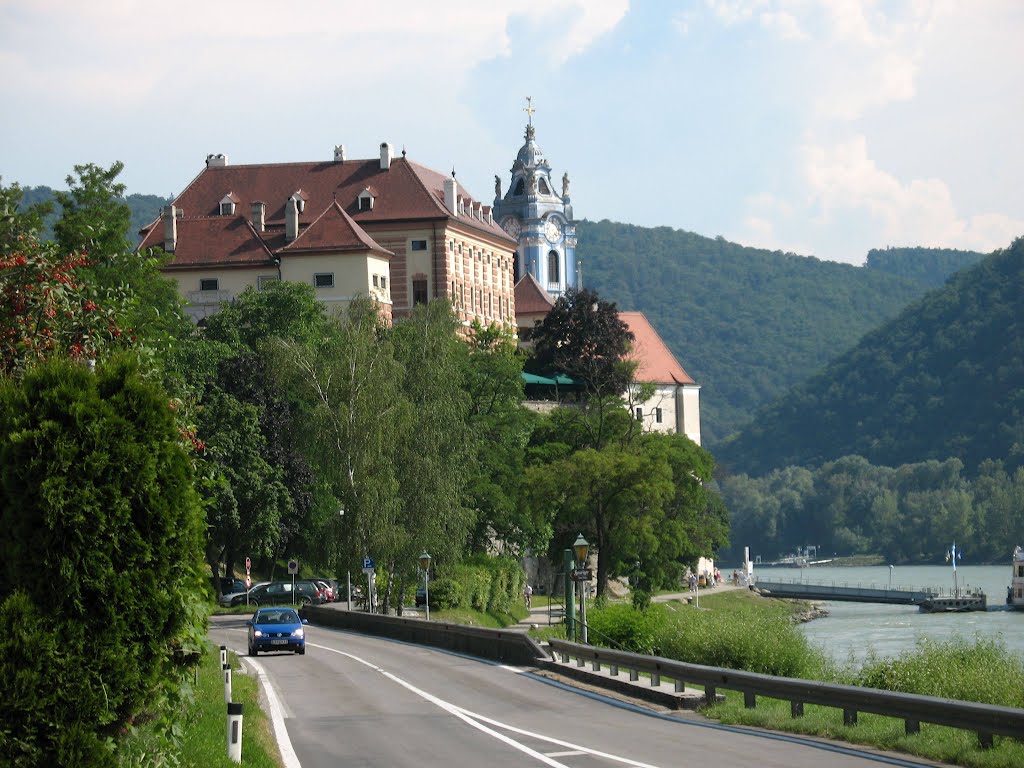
(279, 642)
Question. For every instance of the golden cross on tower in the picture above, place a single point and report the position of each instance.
(529, 110)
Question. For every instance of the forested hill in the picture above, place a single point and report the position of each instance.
(746, 324)
(930, 266)
(944, 379)
(144, 208)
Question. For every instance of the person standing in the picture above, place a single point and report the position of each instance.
(529, 594)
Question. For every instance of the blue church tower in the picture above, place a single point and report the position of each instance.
(539, 218)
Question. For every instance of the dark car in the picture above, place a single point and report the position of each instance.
(280, 593)
(229, 585)
(276, 629)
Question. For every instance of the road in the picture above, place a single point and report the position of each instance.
(360, 701)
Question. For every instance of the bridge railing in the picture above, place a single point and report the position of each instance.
(987, 720)
(847, 584)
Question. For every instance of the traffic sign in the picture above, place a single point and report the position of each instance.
(293, 567)
(367, 563)
(248, 581)
(368, 571)
(248, 565)
(582, 574)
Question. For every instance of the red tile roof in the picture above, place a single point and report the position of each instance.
(334, 231)
(657, 364)
(237, 242)
(531, 298)
(406, 191)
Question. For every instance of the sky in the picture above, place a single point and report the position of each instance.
(811, 127)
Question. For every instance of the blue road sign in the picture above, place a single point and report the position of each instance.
(367, 562)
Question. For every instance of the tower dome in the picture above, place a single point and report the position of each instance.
(538, 217)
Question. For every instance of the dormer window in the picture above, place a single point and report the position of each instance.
(300, 200)
(227, 204)
(366, 200)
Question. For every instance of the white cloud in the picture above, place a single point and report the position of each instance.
(784, 24)
(843, 179)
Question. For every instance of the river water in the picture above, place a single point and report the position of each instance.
(852, 630)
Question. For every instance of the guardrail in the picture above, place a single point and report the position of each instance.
(987, 720)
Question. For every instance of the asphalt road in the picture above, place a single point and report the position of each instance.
(359, 701)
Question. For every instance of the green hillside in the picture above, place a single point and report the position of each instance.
(144, 208)
(930, 266)
(944, 379)
(746, 324)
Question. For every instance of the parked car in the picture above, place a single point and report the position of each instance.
(237, 598)
(276, 629)
(329, 594)
(229, 585)
(280, 593)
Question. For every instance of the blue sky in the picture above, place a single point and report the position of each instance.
(821, 128)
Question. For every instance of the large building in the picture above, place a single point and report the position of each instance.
(543, 224)
(387, 228)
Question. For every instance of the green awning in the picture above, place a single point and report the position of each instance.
(532, 378)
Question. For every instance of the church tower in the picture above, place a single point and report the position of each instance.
(538, 218)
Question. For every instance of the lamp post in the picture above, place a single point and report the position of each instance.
(581, 547)
(425, 565)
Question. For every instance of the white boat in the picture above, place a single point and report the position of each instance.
(1015, 592)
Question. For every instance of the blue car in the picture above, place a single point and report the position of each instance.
(276, 629)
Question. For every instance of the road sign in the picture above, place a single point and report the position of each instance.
(368, 571)
(248, 581)
(293, 567)
(582, 574)
(367, 563)
(248, 565)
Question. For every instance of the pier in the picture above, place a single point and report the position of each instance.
(853, 593)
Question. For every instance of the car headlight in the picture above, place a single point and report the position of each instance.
(257, 633)
(298, 633)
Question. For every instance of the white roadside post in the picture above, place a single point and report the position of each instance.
(425, 566)
(223, 655)
(235, 732)
(227, 682)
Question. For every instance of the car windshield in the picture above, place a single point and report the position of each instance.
(277, 617)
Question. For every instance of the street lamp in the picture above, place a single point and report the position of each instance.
(581, 547)
(425, 565)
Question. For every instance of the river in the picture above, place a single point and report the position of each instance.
(852, 630)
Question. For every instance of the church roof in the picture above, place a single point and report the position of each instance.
(531, 298)
(656, 363)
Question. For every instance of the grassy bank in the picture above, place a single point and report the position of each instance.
(741, 630)
(203, 723)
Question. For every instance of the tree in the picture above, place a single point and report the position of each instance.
(583, 337)
(99, 562)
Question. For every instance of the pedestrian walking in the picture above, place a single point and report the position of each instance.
(529, 594)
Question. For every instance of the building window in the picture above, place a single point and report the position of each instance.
(639, 414)
(657, 415)
(419, 291)
(543, 185)
(323, 279)
(383, 282)
(227, 209)
(376, 281)
(262, 281)
(520, 187)
(419, 245)
(553, 276)
(209, 284)
(365, 201)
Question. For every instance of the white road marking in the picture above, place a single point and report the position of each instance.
(478, 721)
(570, 753)
(288, 756)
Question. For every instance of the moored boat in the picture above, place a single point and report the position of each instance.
(957, 603)
(1015, 592)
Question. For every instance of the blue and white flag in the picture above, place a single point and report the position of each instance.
(954, 556)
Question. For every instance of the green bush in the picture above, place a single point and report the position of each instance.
(489, 584)
(446, 593)
(99, 562)
(622, 626)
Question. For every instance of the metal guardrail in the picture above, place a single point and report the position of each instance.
(987, 720)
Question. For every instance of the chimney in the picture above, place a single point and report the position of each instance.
(170, 216)
(259, 215)
(339, 153)
(291, 219)
(451, 195)
(216, 161)
(385, 156)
